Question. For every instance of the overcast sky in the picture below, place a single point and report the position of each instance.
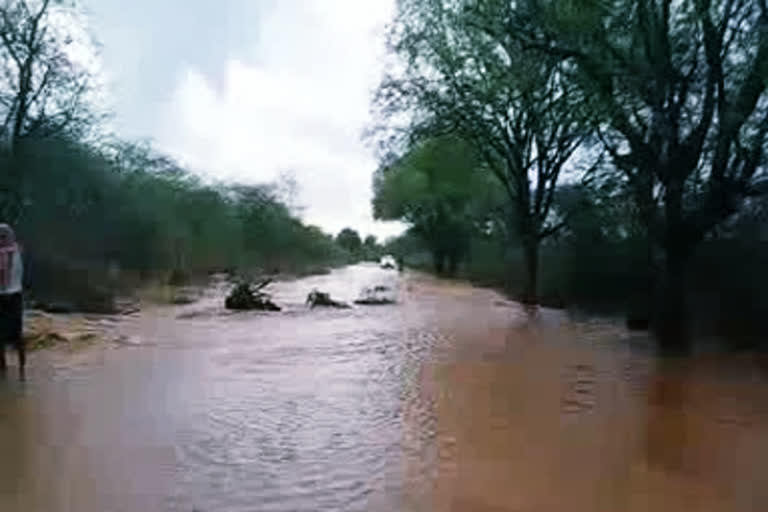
(247, 89)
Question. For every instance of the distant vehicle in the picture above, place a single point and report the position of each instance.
(388, 261)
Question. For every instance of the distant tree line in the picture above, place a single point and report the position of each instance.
(358, 249)
(124, 214)
(622, 136)
(94, 212)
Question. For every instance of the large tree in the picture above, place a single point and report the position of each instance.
(681, 86)
(438, 188)
(350, 240)
(371, 248)
(456, 76)
(46, 84)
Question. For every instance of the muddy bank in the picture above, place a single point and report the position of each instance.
(59, 325)
(70, 331)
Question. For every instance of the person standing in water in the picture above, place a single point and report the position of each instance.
(11, 302)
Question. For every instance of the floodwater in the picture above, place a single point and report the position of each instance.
(453, 399)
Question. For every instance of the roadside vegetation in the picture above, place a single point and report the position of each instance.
(625, 140)
(98, 215)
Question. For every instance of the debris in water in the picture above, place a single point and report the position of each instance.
(246, 296)
(378, 295)
(131, 341)
(318, 298)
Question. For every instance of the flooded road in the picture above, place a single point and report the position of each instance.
(449, 400)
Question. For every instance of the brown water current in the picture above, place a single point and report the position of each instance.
(451, 400)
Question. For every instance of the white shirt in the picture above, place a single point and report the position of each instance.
(17, 271)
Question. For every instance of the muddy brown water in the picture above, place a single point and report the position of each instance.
(452, 399)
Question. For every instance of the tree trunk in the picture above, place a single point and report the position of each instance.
(11, 190)
(453, 263)
(671, 322)
(531, 250)
(641, 301)
(647, 218)
(438, 259)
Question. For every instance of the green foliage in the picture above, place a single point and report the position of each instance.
(597, 264)
(674, 94)
(372, 251)
(462, 73)
(349, 240)
(406, 245)
(681, 95)
(438, 188)
(93, 216)
(129, 210)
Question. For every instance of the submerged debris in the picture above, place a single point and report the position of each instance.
(184, 295)
(318, 298)
(378, 295)
(246, 296)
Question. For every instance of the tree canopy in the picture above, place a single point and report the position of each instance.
(681, 92)
(440, 190)
(515, 109)
(662, 102)
(45, 83)
(350, 240)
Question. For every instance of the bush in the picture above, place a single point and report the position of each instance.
(94, 220)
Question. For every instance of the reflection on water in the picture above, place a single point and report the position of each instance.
(449, 400)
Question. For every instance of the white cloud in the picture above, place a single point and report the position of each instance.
(299, 104)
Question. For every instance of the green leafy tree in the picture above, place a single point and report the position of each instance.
(681, 90)
(46, 90)
(349, 240)
(461, 76)
(437, 188)
(135, 210)
(371, 248)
